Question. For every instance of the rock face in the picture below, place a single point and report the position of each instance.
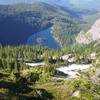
(95, 30)
(92, 35)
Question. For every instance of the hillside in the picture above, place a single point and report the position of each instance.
(18, 22)
(79, 4)
(86, 4)
(92, 35)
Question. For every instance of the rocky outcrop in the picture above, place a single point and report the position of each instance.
(95, 30)
(93, 34)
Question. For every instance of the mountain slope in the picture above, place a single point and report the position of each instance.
(92, 35)
(74, 6)
(18, 22)
(86, 4)
(81, 4)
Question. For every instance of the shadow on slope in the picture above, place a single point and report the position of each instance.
(22, 92)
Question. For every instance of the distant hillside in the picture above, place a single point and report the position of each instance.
(18, 22)
(86, 4)
(79, 4)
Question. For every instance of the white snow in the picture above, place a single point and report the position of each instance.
(36, 64)
(72, 70)
(74, 67)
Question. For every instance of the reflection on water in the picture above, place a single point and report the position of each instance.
(43, 38)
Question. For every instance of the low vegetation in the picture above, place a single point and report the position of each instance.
(20, 81)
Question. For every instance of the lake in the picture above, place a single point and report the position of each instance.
(43, 38)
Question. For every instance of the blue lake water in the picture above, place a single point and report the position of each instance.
(43, 38)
